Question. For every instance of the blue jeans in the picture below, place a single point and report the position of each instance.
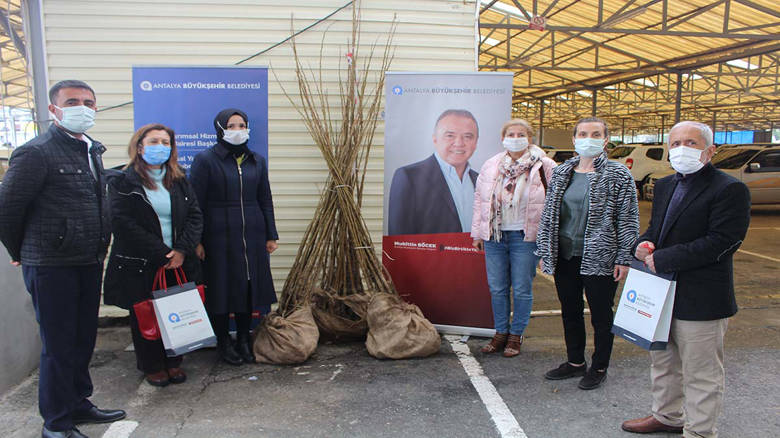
(511, 262)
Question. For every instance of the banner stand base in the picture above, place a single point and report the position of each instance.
(465, 331)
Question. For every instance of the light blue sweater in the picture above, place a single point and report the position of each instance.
(161, 202)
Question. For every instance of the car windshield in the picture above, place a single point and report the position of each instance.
(732, 158)
(620, 152)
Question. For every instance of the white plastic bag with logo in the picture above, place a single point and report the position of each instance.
(644, 313)
(181, 316)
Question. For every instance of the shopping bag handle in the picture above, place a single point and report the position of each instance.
(181, 278)
(160, 281)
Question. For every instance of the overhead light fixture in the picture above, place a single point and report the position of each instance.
(584, 93)
(693, 76)
(625, 17)
(644, 81)
(490, 41)
(505, 9)
(740, 63)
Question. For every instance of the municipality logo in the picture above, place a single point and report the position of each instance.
(146, 85)
(174, 317)
(631, 296)
(397, 90)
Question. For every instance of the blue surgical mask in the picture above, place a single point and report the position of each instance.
(156, 154)
(77, 119)
(589, 147)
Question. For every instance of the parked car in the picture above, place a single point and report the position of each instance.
(642, 159)
(756, 165)
(560, 155)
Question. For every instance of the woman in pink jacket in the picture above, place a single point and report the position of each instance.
(508, 203)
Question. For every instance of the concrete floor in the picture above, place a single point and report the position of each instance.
(342, 391)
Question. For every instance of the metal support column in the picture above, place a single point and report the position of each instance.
(593, 103)
(541, 122)
(32, 11)
(663, 127)
(623, 131)
(714, 124)
(678, 98)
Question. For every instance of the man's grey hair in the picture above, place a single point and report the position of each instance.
(456, 112)
(706, 131)
(68, 83)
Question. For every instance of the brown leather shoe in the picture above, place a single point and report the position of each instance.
(513, 345)
(497, 343)
(648, 425)
(176, 375)
(159, 378)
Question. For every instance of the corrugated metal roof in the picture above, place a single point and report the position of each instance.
(15, 90)
(727, 54)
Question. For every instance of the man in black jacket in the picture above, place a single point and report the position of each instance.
(55, 224)
(700, 217)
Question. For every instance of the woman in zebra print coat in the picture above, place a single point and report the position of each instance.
(588, 227)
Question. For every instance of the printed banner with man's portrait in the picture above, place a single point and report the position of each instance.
(439, 130)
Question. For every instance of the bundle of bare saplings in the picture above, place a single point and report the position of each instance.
(337, 288)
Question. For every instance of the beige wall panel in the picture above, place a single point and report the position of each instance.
(432, 35)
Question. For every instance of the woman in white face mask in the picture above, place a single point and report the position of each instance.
(588, 227)
(231, 183)
(508, 201)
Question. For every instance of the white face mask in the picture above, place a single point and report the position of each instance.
(685, 159)
(76, 119)
(515, 144)
(589, 147)
(235, 136)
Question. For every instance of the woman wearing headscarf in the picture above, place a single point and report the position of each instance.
(588, 228)
(231, 183)
(508, 202)
(156, 223)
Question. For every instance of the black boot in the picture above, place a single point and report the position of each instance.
(227, 352)
(244, 348)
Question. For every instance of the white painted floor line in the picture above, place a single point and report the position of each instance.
(505, 422)
(758, 255)
(121, 429)
(142, 395)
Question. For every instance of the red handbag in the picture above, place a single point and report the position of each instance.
(144, 310)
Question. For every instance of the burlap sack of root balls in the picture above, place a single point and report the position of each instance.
(288, 340)
(329, 312)
(398, 330)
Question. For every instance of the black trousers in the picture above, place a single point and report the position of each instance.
(600, 293)
(150, 356)
(220, 322)
(66, 301)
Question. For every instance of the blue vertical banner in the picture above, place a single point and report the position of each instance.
(187, 99)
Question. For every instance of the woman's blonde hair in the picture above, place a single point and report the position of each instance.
(529, 130)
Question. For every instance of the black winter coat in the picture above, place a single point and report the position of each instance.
(138, 250)
(704, 233)
(238, 219)
(53, 211)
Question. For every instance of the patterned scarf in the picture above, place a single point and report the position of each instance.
(508, 186)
